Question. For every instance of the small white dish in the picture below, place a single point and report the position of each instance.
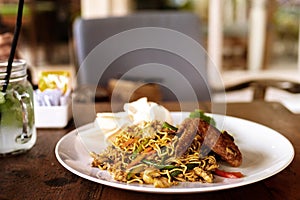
(52, 116)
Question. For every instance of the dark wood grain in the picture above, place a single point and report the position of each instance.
(38, 175)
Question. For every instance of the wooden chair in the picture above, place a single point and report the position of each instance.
(88, 33)
(260, 87)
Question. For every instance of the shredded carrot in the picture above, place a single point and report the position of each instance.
(128, 142)
(148, 149)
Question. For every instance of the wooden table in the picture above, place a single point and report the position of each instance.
(38, 175)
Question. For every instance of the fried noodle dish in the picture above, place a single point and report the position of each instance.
(163, 155)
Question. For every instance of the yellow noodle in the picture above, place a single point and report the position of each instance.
(118, 157)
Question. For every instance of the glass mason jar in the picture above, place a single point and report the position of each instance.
(17, 128)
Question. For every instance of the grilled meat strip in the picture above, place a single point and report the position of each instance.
(220, 143)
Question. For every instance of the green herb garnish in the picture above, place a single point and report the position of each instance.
(200, 114)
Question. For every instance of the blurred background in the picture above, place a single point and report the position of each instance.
(46, 38)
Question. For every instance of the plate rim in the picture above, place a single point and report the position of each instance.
(173, 190)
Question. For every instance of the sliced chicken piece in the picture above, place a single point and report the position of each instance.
(210, 137)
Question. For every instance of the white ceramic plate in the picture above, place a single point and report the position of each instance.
(265, 153)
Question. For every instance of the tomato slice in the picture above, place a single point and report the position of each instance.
(228, 174)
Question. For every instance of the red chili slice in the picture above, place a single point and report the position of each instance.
(228, 174)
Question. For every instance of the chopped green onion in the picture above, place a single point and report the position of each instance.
(159, 166)
(134, 170)
(176, 172)
(139, 149)
(169, 126)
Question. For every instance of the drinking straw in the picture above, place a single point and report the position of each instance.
(14, 44)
